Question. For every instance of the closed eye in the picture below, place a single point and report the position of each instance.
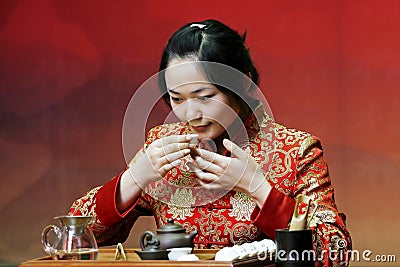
(175, 99)
(205, 98)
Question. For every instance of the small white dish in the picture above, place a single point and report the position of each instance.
(241, 251)
(175, 253)
(188, 257)
(226, 254)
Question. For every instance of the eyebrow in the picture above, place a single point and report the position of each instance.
(198, 90)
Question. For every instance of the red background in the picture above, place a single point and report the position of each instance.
(69, 68)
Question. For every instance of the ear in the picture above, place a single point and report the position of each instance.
(249, 75)
(247, 82)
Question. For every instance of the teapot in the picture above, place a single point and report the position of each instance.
(170, 235)
(73, 240)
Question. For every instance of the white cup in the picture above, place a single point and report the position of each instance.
(175, 253)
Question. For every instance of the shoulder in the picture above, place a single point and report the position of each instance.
(296, 140)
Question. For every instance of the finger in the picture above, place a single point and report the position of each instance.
(234, 149)
(173, 139)
(204, 177)
(209, 185)
(176, 155)
(192, 167)
(186, 138)
(210, 156)
(208, 166)
(174, 147)
(169, 166)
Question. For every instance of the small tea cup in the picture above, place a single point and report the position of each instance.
(175, 253)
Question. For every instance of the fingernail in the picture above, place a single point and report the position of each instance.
(191, 136)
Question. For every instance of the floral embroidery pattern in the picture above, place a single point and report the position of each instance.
(326, 216)
(242, 206)
(181, 202)
(86, 206)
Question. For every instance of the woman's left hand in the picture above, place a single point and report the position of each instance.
(239, 172)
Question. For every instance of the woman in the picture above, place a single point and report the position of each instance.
(259, 185)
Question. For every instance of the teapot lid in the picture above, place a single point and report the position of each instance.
(171, 227)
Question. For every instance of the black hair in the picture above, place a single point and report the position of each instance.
(210, 41)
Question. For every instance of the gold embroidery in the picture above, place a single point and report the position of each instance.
(86, 206)
(242, 232)
(326, 216)
(306, 144)
(180, 205)
(242, 206)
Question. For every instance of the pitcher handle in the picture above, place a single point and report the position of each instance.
(48, 248)
(152, 242)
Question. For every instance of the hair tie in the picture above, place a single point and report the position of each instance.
(200, 26)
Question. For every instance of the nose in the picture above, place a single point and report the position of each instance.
(192, 110)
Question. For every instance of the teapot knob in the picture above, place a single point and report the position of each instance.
(170, 221)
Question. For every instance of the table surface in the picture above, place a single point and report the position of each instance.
(106, 258)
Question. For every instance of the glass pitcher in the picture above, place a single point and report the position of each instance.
(73, 240)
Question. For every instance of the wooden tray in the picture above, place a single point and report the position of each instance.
(106, 258)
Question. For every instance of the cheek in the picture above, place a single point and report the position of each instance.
(179, 111)
(222, 113)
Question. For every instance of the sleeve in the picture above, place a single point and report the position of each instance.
(108, 225)
(277, 206)
(331, 238)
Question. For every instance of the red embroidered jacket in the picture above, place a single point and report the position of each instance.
(292, 162)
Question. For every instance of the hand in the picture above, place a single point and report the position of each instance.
(160, 157)
(239, 173)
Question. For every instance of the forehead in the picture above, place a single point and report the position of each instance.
(184, 71)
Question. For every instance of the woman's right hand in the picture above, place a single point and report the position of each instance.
(160, 157)
(150, 165)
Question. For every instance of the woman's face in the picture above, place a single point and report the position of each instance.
(207, 111)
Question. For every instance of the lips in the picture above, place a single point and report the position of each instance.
(200, 128)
